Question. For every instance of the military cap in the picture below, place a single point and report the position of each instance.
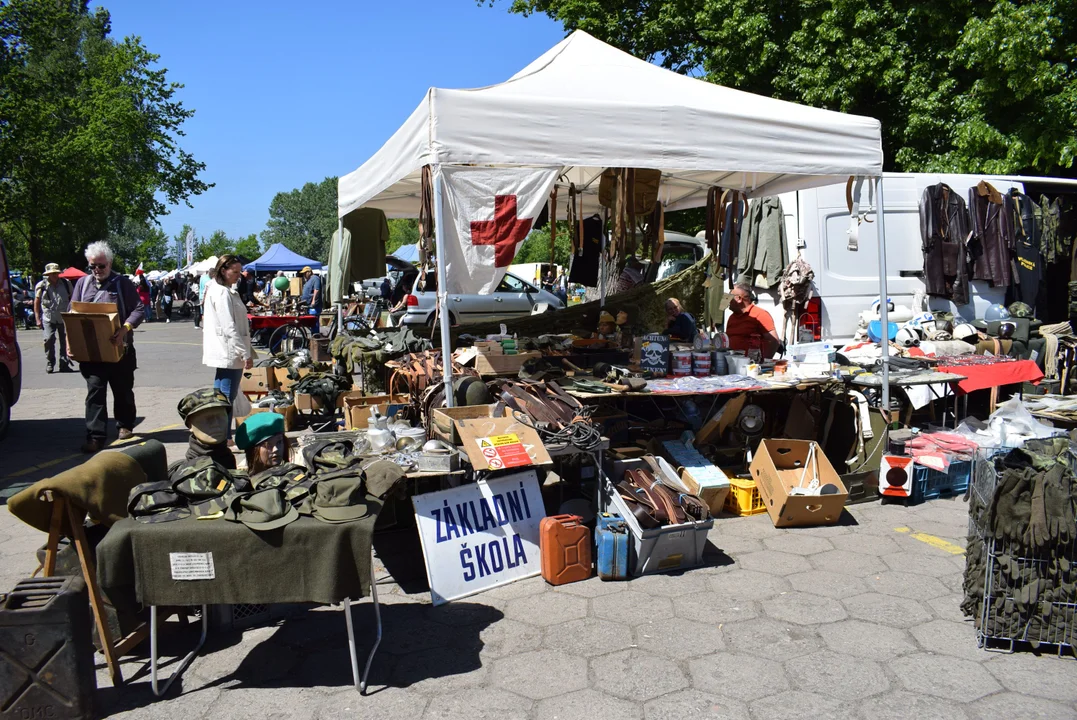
(381, 476)
(1020, 310)
(205, 483)
(329, 455)
(265, 509)
(340, 496)
(201, 400)
(258, 428)
(155, 502)
(281, 475)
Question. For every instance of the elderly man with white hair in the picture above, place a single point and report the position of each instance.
(104, 285)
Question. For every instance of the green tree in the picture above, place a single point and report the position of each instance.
(138, 242)
(89, 129)
(959, 86)
(304, 219)
(402, 231)
(536, 247)
(248, 247)
(216, 244)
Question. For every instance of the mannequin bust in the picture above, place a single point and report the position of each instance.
(269, 453)
(210, 426)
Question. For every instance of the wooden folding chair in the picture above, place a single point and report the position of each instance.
(113, 652)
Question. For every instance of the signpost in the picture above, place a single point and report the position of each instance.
(476, 537)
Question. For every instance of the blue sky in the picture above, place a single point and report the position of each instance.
(291, 92)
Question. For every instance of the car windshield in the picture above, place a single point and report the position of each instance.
(676, 258)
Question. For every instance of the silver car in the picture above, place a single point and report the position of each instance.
(512, 298)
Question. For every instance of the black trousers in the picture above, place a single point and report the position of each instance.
(120, 376)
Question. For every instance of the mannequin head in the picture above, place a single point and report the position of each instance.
(210, 425)
(269, 453)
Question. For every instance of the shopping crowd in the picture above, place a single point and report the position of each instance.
(218, 301)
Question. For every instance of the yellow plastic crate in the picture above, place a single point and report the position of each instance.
(743, 498)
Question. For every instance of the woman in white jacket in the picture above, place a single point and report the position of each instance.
(226, 334)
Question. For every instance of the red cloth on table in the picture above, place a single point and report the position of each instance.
(981, 377)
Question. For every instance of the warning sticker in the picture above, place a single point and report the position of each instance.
(192, 566)
(503, 451)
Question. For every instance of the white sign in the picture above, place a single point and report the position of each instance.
(476, 537)
(192, 566)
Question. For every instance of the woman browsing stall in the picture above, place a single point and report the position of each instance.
(226, 338)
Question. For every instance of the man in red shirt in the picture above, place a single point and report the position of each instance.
(750, 326)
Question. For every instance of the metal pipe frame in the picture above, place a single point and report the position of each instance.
(443, 295)
(183, 663)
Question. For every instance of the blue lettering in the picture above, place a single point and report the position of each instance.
(474, 516)
(518, 549)
(487, 516)
(436, 512)
(466, 564)
(450, 522)
(499, 510)
(508, 557)
(523, 493)
(515, 511)
(480, 558)
(496, 561)
(465, 521)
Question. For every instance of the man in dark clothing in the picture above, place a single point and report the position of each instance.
(312, 290)
(245, 288)
(386, 288)
(680, 325)
(105, 286)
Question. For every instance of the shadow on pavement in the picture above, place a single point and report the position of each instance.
(310, 649)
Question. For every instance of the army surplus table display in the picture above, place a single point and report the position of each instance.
(227, 563)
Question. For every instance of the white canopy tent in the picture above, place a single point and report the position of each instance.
(586, 106)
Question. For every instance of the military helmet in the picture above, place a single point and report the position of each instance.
(966, 332)
(1020, 310)
(201, 400)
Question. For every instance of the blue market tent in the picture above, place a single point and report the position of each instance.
(278, 257)
(408, 253)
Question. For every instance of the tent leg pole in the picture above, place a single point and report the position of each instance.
(602, 270)
(443, 296)
(343, 289)
(884, 314)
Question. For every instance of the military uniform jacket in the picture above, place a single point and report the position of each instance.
(944, 226)
(991, 243)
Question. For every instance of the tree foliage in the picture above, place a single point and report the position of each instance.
(141, 243)
(89, 130)
(959, 86)
(304, 219)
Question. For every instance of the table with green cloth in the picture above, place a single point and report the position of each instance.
(306, 561)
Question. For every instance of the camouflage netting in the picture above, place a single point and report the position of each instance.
(645, 306)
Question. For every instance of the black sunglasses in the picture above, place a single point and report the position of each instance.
(98, 266)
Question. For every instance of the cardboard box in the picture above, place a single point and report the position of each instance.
(306, 402)
(288, 411)
(502, 364)
(501, 443)
(258, 380)
(295, 286)
(357, 408)
(442, 420)
(90, 327)
(779, 466)
(702, 477)
(283, 382)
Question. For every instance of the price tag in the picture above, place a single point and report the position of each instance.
(192, 566)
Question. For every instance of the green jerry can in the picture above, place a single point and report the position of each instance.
(46, 655)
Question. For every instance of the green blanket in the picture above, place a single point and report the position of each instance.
(305, 561)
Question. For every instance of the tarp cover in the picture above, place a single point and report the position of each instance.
(586, 106)
(277, 257)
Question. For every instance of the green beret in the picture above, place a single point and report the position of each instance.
(258, 428)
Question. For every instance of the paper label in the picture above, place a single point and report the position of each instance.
(192, 566)
(503, 451)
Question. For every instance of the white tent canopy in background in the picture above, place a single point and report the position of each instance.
(587, 106)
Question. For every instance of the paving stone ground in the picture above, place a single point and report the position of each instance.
(855, 621)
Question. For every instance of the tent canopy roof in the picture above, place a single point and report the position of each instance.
(585, 106)
(277, 257)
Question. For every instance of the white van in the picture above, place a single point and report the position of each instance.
(847, 281)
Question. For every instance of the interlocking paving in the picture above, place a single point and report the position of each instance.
(855, 621)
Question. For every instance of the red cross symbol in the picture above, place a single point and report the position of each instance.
(504, 232)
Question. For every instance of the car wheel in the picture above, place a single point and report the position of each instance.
(430, 320)
(5, 410)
